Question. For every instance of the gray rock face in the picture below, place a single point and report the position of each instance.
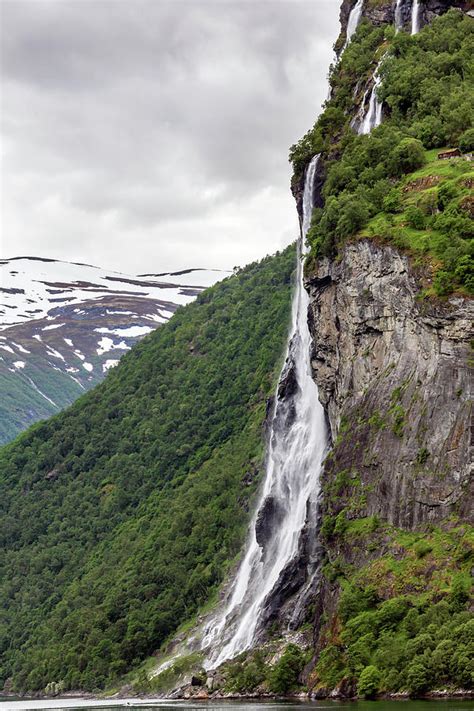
(398, 367)
(268, 518)
(381, 13)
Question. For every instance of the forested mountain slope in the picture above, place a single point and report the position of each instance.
(120, 516)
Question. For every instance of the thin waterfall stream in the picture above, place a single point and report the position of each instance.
(398, 16)
(353, 21)
(415, 17)
(373, 115)
(296, 449)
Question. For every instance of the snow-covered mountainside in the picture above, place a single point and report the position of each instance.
(63, 325)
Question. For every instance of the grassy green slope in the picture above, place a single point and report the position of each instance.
(428, 214)
(122, 513)
(403, 621)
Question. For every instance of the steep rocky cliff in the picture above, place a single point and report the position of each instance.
(393, 375)
(392, 364)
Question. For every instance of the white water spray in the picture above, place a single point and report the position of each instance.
(373, 115)
(415, 17)
(353, 21)
(297, 445)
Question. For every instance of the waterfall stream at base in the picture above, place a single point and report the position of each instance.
(296, 449)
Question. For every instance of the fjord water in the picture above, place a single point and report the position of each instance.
(230, 705)
(296, 448)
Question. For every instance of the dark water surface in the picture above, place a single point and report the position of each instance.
(10, 704)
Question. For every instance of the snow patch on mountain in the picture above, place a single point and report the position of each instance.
(31, 287)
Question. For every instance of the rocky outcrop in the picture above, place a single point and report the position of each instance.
(392, 372)
(383, 12)
(430, 8)
(269, 516)
(393, 375)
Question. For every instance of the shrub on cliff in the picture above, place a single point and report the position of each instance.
(245, 673)
(355, 600)
(417, 678)
(415, 217)
(369, 682)
(407, 156)
(466, 141)
(391, 612)
(285, 673)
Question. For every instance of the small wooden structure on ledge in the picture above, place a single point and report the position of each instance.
(452, 153)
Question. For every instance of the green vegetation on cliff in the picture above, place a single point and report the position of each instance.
(403, 621)
(121, 515)
(428, 96)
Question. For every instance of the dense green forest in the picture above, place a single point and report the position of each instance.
(121, 515)
(371, 187)
(403, 619)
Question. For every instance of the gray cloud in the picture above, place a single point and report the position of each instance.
(145, 135)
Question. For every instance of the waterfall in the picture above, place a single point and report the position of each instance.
(353, 21)
(373, 115)
(358, 119)
(398, 16)
(415, 17)
(296, 449)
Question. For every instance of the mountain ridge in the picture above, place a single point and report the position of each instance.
(63, 325)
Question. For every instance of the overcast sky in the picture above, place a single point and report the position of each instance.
(147, 135)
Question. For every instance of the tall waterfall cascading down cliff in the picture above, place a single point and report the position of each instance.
(373, 115)
(296, 450)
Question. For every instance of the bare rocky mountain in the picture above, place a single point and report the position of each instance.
(63, 325)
